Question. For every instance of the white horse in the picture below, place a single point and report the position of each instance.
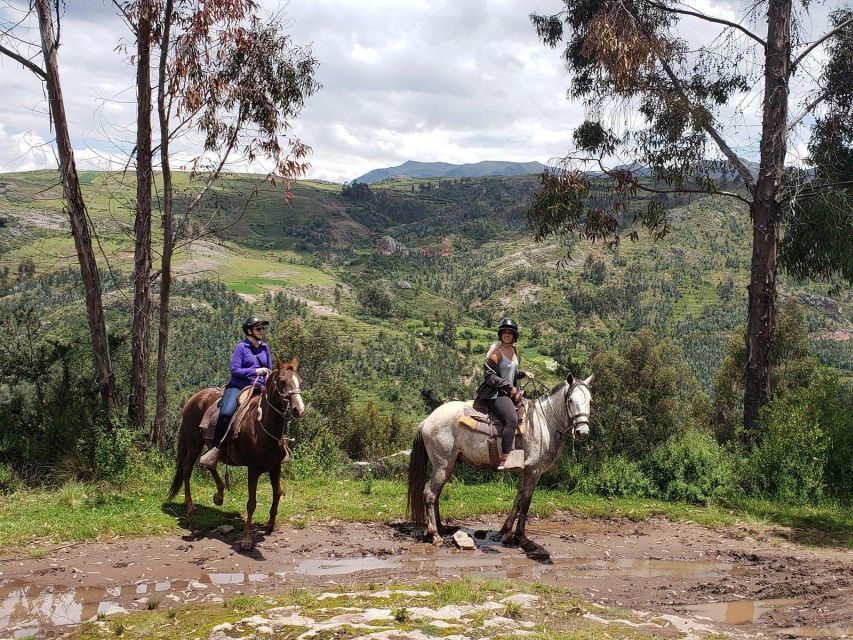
(551, 420)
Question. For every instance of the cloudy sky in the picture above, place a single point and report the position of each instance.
(452, 81)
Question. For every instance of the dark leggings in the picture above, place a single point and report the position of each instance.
(504, 409)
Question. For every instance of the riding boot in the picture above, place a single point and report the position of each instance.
(210, 458)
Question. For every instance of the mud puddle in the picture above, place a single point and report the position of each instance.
(737, 582)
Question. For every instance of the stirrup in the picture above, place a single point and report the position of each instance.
(514, 461)
(209, 459)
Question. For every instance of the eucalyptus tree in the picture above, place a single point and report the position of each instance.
(231, 79)
(673, 108)
(14, 46)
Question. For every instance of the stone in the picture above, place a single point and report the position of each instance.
(463, 540)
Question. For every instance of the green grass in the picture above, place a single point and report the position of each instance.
(77, 511)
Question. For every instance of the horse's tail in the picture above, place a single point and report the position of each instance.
(416, 504)
(178, 480)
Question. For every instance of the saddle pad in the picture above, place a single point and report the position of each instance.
(486, 428)
(479, 421)
(211, 416)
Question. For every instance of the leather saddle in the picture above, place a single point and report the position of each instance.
(477, 417)
(211, 416)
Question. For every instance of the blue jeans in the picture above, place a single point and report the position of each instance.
(227, 408)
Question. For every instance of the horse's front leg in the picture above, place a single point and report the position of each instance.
(531, 479)
(218, 497)
(247, 543)
(503, 534)
(275, 480)
(520, 507)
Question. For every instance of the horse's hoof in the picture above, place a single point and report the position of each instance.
(217, 499)
(436, 540)
(191, 510)
(509, 540)
(247, 545)
(269, 529)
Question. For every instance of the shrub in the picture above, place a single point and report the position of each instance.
(617, 477)
(788, 462)
(112, 452)
(691, 467)
(9, 480)
(642, 394)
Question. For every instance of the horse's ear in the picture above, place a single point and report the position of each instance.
(588, 381)
(294, 363)
(278, 363)
(570, 379)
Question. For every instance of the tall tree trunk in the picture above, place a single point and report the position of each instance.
(158, 428)
(141, 329)
(76, 210)
(767, 213)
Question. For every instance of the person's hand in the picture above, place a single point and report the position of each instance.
(530, 375)
(262, 371)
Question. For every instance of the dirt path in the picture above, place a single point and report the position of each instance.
(754, 582)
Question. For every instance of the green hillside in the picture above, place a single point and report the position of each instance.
(413, 274)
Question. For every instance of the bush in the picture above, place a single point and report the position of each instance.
(112, 452)
(643, 393)
(789, 460)
(9, 480)
(691, 467)
(617, 477)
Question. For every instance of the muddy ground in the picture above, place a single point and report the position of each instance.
(746, 581)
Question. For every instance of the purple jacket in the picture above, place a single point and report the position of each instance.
(245, 360)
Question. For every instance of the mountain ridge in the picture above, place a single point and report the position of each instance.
(483, 169)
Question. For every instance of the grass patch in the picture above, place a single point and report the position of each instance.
(77, 511)
(558, 614)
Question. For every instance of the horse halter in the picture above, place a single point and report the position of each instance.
(580, 419)
(286, 411)
(577, 421)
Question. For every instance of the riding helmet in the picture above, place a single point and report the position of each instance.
(508, 324)
(253, 321)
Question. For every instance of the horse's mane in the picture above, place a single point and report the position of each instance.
(556, 388)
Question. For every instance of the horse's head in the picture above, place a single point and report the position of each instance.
(578, 401)
(286, 387)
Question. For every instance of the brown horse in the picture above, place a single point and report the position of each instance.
(259, 444)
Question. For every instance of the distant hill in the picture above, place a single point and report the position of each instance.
(413, 169)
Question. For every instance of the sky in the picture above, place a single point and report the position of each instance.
(451, 81)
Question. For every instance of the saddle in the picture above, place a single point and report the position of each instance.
(211, 416)
(477, 417)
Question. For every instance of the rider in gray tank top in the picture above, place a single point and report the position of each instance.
(508, 367)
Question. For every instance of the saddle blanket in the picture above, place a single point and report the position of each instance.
(483, 423)
(211, 416)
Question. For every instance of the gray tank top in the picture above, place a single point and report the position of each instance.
(508, 368)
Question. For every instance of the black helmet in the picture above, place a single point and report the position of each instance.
(253, 321)
(508, 324)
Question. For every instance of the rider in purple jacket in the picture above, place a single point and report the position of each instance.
(251, 363)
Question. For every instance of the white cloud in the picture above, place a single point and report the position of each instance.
(444, 80)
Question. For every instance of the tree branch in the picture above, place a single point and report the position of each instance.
(742, 169)
(32, 66)
(708, 18)
(819, 42)
(630, 177)
(806, 110)
(126, 17)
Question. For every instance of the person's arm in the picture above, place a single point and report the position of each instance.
(238, 363)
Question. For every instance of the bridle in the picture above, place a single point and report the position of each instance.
(286, 412)
(576, 420)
